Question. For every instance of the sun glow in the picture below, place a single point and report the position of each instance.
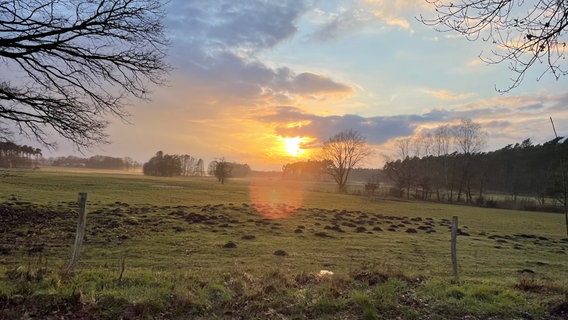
(293, 146)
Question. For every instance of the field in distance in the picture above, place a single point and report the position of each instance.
(173, 247)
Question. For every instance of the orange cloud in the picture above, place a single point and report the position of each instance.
(447, 95)
(393, 12)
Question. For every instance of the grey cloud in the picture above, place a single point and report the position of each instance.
(437, 114)
(502, 124)
(532, 107)
(227, 24)
(309, 82)
(285, 114)
(340, 24)
(215, 46)
(474, 111)
(230, 74)
(560, 102)
(377, 130)
(257, 24)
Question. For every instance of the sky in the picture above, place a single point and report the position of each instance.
(266, 82)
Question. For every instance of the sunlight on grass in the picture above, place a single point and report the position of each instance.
(202, 246)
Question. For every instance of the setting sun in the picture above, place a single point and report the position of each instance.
(292, 146)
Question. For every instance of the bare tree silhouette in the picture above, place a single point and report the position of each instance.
(344, 151)
(73, 63)
(524, 33)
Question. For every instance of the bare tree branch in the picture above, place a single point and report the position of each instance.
(75, 62)
(525, 33)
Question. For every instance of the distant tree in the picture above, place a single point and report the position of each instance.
(403, 146)
(16, 156)
(221, 169)
(313, 170)
(187, 165)
(404, 175)
(441, 149)
(211, 168)
(393, 171)
(405, 171)
(373, 182)
(523, 32)
(469, 136)
(240, 170)
(69, 161)
(77, 62)
(105, 162)
(199, 169)
(129, 163)
(469, 139)
(344, 151)
(164, 165)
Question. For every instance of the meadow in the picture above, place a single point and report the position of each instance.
(191, 248)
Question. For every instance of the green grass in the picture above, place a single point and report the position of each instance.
(155, 247)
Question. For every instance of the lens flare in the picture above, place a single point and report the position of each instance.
(276, 198)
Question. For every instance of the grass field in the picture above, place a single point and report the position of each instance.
(192, 248)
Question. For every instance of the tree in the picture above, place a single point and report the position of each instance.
(78, 61)
(221, 169)
(469, 139)
(163, 165)
(394, 171)
(105, 162)
(187, 165)
(344, 151)
(16, 156)
(199, 170)
(403, 146)
(523, 32)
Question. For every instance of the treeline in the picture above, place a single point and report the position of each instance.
(222, 169)
(522, 169)
(167, 165)
(16, 156)
(232, 169)
(310, 170)
(94, 162)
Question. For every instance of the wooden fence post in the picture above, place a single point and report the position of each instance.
(454, 246)
(80, 231)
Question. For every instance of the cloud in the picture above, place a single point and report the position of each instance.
(507, 120)
(242, 83)
(360, 15)
(312, 83)
(395, 12)
(447, 95)
(331, 25)
(217, 46)
(377, 129)
(225, 24)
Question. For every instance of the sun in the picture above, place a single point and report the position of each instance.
(292, 146)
